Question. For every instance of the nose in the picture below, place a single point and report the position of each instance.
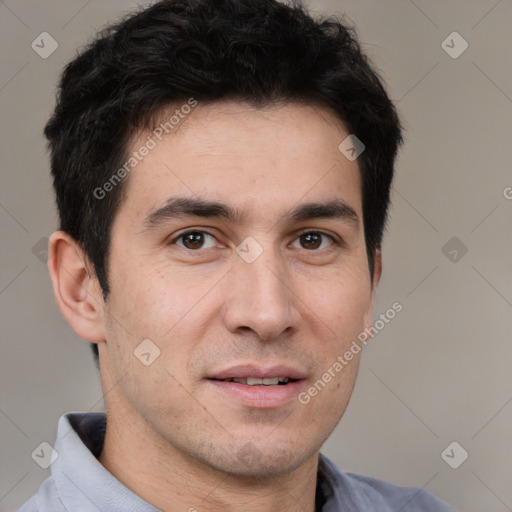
(260, 298)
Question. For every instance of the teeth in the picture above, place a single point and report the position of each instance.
(268, 381)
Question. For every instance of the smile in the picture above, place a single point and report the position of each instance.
(255, 381)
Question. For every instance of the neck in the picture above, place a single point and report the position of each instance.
(170, 477)
(173, 481)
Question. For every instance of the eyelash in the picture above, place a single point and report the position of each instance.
(319, 232)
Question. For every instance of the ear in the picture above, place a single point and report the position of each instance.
(76, 287)
(377, 272)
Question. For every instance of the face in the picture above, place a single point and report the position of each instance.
(253, 283)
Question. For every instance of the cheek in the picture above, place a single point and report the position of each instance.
(340, 302)
(146, 307)
(153, 299)
(160, 305)
(328, 396)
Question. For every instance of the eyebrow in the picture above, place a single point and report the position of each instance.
(179, 207)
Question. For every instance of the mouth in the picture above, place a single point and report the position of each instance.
(258, 387)
(255, 381)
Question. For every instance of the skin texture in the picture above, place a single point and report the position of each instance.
(171, 437)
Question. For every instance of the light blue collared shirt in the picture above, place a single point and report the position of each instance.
(79, 483)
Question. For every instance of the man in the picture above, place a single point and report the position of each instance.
(222, 172)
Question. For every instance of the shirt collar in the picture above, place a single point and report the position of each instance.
(84, 485)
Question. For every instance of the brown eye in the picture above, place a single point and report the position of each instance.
(311, 240)
(194, 240)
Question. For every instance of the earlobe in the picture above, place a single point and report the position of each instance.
(76, 288)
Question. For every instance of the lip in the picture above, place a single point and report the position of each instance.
(260, 397)
(260, 372)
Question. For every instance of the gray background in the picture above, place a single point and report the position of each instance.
(439, 372)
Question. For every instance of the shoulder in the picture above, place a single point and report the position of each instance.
(396, 497)
(359, 492)
(46, 499)
(30, 505)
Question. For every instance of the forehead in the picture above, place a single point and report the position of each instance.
(259, 160)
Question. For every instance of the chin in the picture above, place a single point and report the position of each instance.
(261, 462)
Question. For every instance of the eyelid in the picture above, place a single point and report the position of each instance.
(319, 231)
(334, 239)
(172, 241)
